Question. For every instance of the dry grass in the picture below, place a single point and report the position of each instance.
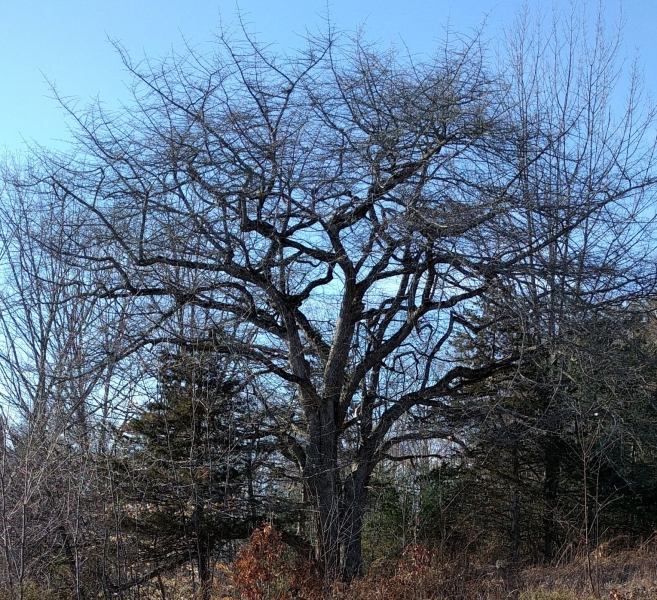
(266, 570)
(626, 575)
(418, 575)
(615, 574)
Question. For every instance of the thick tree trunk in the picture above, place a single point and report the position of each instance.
(353, 510)
(339, 505)
(328, 526)
(339, 524)
(322, 477)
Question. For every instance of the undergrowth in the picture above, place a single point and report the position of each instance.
(266, 570)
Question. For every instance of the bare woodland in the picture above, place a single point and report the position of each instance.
(272, 278)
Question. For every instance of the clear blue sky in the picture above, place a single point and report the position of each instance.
(66, 41)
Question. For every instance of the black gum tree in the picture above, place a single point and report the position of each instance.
(330, 219)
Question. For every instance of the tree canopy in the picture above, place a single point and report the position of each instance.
(340, 221)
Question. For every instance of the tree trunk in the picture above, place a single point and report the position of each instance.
(515, 510)
(339, 505)
(204, 570)
(339, 524)
(203, 550)
(322, 477)
(353, 510)
(328, 519)
(550, 495)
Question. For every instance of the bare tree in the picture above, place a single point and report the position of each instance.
(54, 366)
(333, 219)
(563, 90)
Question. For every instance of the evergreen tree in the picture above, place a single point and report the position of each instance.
(189, 467)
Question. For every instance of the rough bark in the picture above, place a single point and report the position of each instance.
(552, 462)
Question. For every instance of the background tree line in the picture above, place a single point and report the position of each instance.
(371, 298)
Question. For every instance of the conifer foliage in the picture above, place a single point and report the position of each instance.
(189, 462)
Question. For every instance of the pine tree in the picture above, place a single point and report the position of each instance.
(188, 470)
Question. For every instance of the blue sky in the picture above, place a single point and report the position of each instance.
(66, 42)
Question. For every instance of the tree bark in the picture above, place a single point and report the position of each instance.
(353, 510)
(339, 505)
(322, 476)
(515, 510)
(550, 497)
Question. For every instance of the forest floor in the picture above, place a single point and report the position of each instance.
(266, 569)
(418, 575)
(625, 575)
